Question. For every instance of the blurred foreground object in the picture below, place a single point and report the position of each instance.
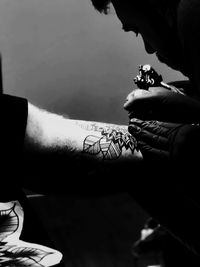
(157, 248)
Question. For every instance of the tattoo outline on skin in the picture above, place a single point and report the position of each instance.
(100, 127)
(110, 145)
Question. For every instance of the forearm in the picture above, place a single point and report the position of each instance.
(65, 147)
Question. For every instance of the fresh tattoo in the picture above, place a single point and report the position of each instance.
(110, 144)
(100, 126)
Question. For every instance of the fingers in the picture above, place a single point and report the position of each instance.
(143, 95)
(158, 90)
(133, 96)
(152, 139)
(155, 134)
(143, 104)
(154, 126)
(156, 103)
(153, 154)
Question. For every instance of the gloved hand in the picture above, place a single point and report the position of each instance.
(162, 104)
(164, 141)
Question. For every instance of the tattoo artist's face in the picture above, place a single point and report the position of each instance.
(157, 35)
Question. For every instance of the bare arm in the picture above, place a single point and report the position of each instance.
(70, 149)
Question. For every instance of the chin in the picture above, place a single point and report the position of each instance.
(172, 64)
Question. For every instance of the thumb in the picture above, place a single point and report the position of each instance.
(135, 97)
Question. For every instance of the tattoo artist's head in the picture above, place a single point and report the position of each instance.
(154, 20)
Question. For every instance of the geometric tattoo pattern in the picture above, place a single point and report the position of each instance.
(110, 145)
(17, 253)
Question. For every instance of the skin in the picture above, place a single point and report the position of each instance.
(67, 149)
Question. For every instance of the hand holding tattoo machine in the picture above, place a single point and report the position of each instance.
(148, 77)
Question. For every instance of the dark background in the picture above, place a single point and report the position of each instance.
(93, 232)
(66, 57)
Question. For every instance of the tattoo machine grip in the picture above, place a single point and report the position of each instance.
(148, 77)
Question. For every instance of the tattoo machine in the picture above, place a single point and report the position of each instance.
(148, 77)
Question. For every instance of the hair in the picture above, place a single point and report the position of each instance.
(103, 6)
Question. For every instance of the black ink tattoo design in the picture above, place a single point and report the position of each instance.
(100, 127)
(15, 252)
(110, 145)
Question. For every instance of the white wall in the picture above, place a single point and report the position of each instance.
(66, 57)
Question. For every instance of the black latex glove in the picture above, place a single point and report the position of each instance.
(162, 104)
(163, 141)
